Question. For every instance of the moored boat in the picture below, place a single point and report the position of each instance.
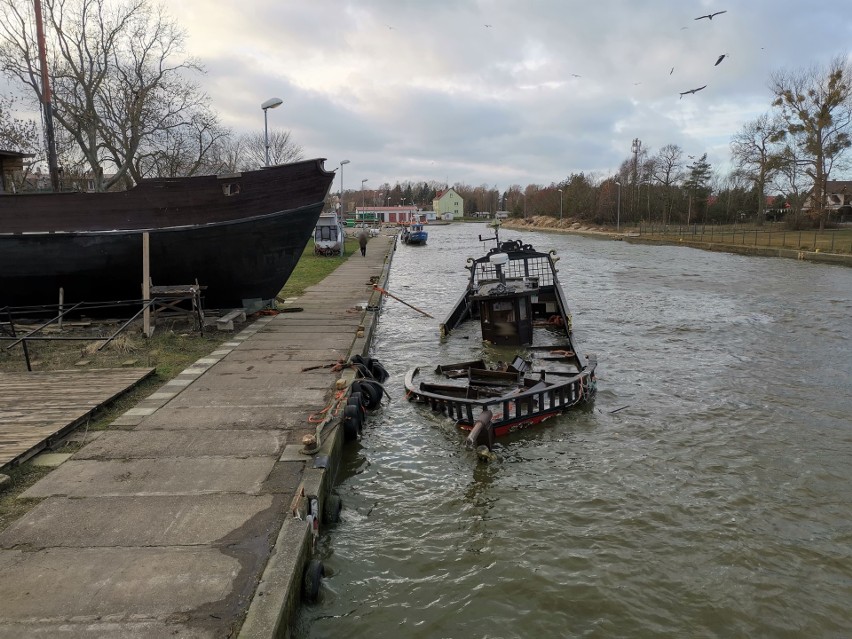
(238, 235)
(329, 236)
(514, 295)
(415, 234)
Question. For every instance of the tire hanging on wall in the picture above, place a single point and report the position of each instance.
(331, 509)
(371, 393)
(312, 580)
(352, 422)
(379, 372)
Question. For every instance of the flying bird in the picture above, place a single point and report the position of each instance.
(683, 93)
(710, 15)
(574, 75)
(719, 60)
(487, 26)
(672, 71)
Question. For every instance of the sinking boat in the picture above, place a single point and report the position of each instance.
(513, 293)
(238, 236)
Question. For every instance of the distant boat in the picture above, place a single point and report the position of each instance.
(238, 235)
(329, 235)
(414, 234)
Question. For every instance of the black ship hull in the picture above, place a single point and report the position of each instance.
(239, 236)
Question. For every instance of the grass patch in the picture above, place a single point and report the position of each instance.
(314, 268)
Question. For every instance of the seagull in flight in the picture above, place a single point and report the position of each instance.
(487, 26)
(710, 15)
(574, 75)
(719, 60)
(683, 93)
(672, 71)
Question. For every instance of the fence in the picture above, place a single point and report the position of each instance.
(827, 240)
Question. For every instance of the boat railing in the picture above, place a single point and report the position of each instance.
(512, 406)
(539, 268)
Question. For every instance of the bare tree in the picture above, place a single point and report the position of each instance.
(668, 171)
(816, 106)
(755, 154)
(792, 180)
(118, 75)
(281, 150)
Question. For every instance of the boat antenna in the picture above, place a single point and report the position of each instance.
(496, 226)
(46, 100)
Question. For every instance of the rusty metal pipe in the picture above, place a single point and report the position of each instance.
(482, 421)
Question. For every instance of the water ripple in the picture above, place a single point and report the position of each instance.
(714, 503)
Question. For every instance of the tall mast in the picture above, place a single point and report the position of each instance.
(45, 100)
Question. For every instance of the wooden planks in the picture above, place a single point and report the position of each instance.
(36, 407)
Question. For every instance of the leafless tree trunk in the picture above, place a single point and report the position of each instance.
(668, 171)
(755, 154)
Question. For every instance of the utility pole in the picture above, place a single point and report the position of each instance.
(635, 147)
(46, 101)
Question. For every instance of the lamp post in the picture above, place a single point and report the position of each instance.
(271, 103)
(618, 214)
(363, 201)
(343, 210)
(560, 205)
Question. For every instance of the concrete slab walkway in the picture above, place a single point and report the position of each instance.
(179, 520)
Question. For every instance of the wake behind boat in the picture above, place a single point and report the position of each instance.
(514, 295)
(238, 235)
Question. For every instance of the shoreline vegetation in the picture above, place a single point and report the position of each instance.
(827, 246)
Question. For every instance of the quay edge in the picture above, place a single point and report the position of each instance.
(279, 592)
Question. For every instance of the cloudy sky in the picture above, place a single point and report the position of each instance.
(501, 92)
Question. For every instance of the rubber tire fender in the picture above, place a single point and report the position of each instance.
(357, 398)
(312, 580)
(331, 509)
(352, 423)
(379, 372)
(371, 393)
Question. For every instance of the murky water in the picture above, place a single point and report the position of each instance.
(716, 503)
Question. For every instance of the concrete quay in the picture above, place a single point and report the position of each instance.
(187, 518)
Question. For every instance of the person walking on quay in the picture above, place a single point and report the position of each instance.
(362, 242)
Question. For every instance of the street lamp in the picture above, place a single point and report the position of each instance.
(271, 103)
(618, 215)
(341, 185)
(560, 205)
(363, 201)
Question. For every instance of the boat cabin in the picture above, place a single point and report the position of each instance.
(505, 306)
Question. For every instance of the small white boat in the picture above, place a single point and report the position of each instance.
(329, 235)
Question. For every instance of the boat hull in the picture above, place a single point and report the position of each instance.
(241, 247)
(514, 411)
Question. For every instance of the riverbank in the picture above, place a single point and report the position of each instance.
(632, 236)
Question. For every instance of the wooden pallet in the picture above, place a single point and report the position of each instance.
(37, 408)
